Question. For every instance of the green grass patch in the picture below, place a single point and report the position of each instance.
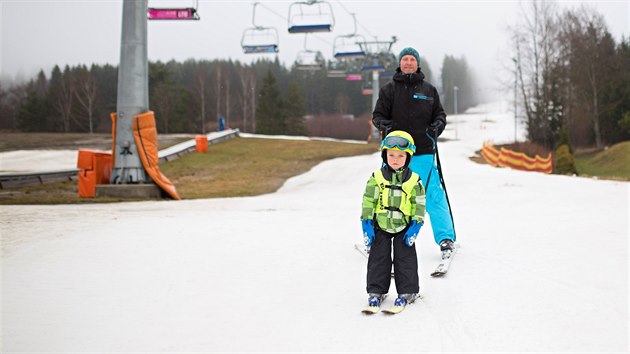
(245, 167)
(612, 163)
(233, 168)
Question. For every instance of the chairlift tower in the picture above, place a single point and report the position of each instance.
(378, 57)
(133, 94)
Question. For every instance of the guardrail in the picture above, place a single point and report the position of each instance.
(24, 179)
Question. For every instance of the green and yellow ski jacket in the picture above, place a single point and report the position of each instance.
(393, 199)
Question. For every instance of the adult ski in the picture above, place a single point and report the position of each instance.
(445, 263)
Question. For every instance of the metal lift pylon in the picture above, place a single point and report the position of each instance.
(128, 177)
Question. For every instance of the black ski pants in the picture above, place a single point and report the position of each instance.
(380, 264)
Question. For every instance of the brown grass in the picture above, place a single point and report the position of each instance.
(236, 167)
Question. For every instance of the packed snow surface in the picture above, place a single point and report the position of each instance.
(542, 267)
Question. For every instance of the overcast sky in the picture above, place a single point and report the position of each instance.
(39, 34)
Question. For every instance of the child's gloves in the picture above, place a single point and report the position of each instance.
(412, 233)
(368, 232)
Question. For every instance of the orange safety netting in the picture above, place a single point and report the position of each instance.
(516, 160)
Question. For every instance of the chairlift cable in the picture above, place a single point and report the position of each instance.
(357, 21)
(273, 12)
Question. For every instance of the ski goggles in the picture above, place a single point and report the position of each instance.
(399, 142)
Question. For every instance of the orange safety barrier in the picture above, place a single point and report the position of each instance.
(95, 168)
(202, 143)
(516, 160)
(146, 137)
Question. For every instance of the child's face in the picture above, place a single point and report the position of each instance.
(396, 159)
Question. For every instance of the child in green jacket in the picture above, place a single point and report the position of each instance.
(393, 213)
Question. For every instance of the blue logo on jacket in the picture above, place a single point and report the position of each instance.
(417, 96)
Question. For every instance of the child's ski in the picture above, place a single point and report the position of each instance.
(445, 263)
(398, 308)
(370, 310)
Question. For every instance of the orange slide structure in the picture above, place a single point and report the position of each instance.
(516, 160)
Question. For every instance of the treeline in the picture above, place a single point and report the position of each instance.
(573, 78)
(189, 97)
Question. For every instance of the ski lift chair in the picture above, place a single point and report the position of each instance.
(367, 87)
(309, 60)
(311, 16)
(349, 46)
(345, 47)
(336, 69)
(353, 70)
(260, 40)
(174, 13)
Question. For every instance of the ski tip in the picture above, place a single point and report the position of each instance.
(370, 310)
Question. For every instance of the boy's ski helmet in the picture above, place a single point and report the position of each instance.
(401, 141)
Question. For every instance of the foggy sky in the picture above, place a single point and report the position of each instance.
(39, 34)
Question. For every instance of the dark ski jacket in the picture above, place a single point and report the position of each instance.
(411, 104)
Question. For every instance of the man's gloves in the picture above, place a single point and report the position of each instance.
(437, 127)
(412, 233)
(368, 232)
(385, 125)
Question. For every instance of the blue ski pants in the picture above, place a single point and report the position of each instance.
(437, 206)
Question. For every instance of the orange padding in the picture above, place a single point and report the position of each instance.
(516, 160)
(96, 168)
(201, 143)
(146, 137)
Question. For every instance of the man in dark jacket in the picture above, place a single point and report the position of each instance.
(413, 105)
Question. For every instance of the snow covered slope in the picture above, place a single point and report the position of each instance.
(543, 266)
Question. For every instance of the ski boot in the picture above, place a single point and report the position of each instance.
(402, 301)
(374, 303)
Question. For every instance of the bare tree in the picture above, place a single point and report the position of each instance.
(201, 80)
(65, 98)
(590, 55)
(227, 102)
(16, 96)
(86, 94)
(165, 101)
(244, 78)
(247, 77)
(537, 55)
(219, 86)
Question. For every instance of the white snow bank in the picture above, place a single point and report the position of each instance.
(543, 267)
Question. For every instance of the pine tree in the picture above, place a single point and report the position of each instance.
(269, 113)
(33, 114)
(295, 111)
